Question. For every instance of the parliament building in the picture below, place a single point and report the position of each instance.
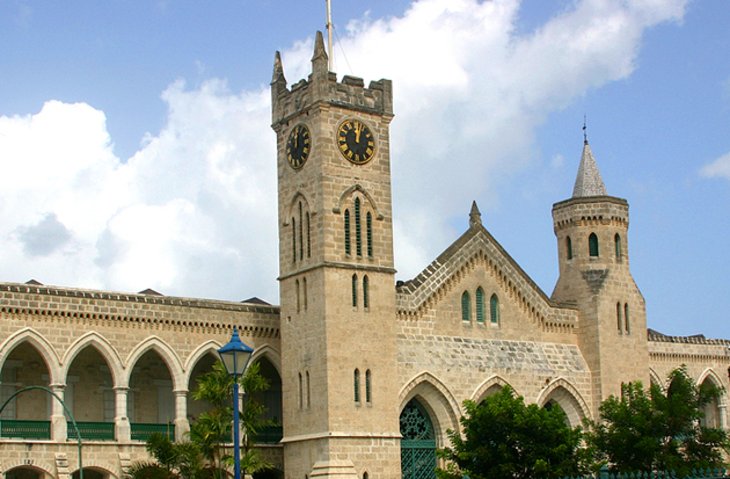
(367, 374)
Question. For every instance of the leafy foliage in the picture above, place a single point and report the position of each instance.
(652, 430)
(205, 455)
(506, 439)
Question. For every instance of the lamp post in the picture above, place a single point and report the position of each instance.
(235, 356)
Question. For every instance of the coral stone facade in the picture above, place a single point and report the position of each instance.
(366, 374)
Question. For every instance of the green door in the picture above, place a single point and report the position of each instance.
(418, 445)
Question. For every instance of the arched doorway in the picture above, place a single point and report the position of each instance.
(151, 403)
(418, 446)
(25, 472)
(271, 400)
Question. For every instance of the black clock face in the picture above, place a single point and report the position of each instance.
(298, 146)
(356, 141)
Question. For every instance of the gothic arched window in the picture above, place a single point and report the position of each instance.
(593, 245)
(368, 389)
(480, 305)
(626, 318)
(369, 229)
(494, 309)
(568, 247)
(354, 290)
(358, 228)
(619, 321)
(365, 292)
(356, 384)
(617, 246)
(465, 306)
(347, 232)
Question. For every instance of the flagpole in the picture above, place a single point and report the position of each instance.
(330, 52)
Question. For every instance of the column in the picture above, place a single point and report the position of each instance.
(59, 429)
(122, 428)
(182, 426)
(722, 409)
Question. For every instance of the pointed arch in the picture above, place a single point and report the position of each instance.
(568, 398)
(490, 385)
(267, 352)
(105, 349)
(104, 467)
(293, 206)
(710, 374)
(168, 355)
(345, 196)
(436, 399)
(208, 347)
(654, 378)
(40, 344)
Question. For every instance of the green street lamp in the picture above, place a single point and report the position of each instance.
(235, 356)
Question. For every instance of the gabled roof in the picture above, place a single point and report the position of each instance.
(475, 243)
(588, 182)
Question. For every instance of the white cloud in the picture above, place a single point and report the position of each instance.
(718, 168)
(193, 211)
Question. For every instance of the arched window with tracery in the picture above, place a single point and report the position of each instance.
(418, 443)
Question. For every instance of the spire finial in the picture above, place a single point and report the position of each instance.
(319, 58)
(475, 217)
(278, 69)
(585, 131)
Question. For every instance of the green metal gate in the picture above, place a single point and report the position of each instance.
(418, 445)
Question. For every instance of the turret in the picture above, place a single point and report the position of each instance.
(593, 255)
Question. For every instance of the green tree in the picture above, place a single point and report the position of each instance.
(206, 454)
(653, 430)
(505, 439)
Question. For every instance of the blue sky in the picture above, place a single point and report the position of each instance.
(136, 150)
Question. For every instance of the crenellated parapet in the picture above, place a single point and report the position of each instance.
(321, 89)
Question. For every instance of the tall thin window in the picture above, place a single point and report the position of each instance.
(300, 391)
(354, 291)
(626, 318)
(480, 305)
(347, 232)
(568, 247)
(358, 228)
(365, 292)
(369, 227)
(309, 238)
(465, 306)
(617, 245)
(309, 394)
(494, 309)
(593, 245)
(304, 291)
(619, 322)
(368, 394)
(301, 233)
(297, 288)
(356, 384)
(293, 240)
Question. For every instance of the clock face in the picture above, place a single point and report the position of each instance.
(356, 141)
(298, 146)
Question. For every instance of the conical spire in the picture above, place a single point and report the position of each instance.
(278, 69)
(588, 182)
(475, 217)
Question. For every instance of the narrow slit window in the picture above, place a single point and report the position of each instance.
(356, 385)
(309, 394)
(296, 283)
(626, 318)
(365, 292)
(465, 306)
(347, 232)
(354, 291)
(358, 228)
(480, 305)
(309, 238)
(369, 227)
(619, 321)
(568, 247)
(301, 233)
(293, 240)
(617, 246)
(368, 393)
(300, 391)
(593, 245)
(304, 292)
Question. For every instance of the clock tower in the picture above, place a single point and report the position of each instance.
(337, 285)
